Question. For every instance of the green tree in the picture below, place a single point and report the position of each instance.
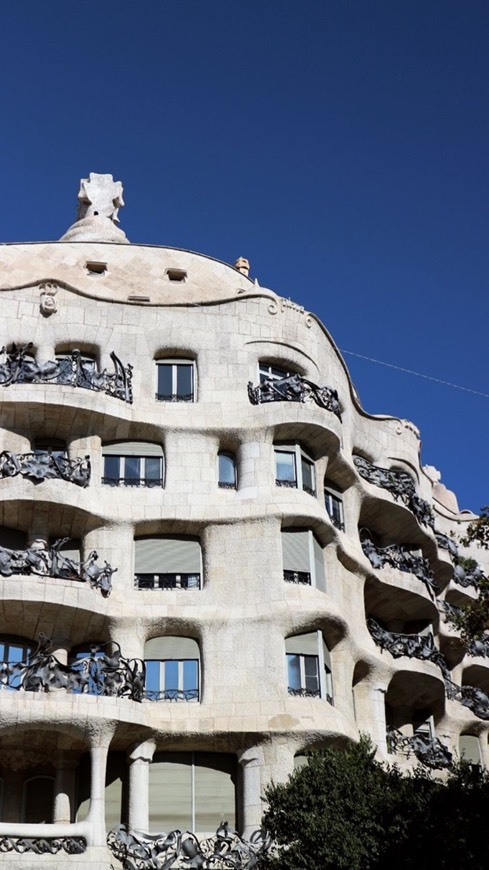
(346, 810)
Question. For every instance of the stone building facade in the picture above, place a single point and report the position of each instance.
(212, 559)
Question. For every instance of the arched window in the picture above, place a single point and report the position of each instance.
(167, 562)
(175, 380)
(133, 463)
(227, 470)
(303, 558)
(172, 669)
(309, 666)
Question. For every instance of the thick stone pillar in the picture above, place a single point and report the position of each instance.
(139, 761)
(96, 815)
(64, 788)
(251, 761)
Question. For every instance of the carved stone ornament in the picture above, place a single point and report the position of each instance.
(44, 561)
(103, 671)
(48, 304)
(74, 370)
(400, 557)
(400, 485)
(294, 388)
(428, 750)
(42, 465)
(43, 845)
(224, 851)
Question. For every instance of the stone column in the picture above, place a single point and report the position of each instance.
(64, 788)
(251, 761)
(96, 815)
(140, 759)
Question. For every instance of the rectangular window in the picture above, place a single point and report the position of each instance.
(293, 468)
(172, 680)
(309, 666)
(167, 563)
(334, 508)
(272, 373)
(175, 381)
(303, 671)
(133, 463)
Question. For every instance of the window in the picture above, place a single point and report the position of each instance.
(175, 381)
(309, 666)
(270, 372)
(133, 463)
(303, 558)
(469, 749)
(227, 471)
(51, 446)
(191, 791)
(167, 562)
(172, 669)
(294, 469)
(38, 800)
(177, 275)
(14, 651)
(334, 506)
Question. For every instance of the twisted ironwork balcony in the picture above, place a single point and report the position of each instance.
(467, 573)
(149, 483)
(428, 750)
(226, 850)
(418, 646)
(302, 578)
(303, 692)
(42, 465)
(469, 696)
(21, 368)
(294, 388)
(172, 695)
(43, 845)
(43, 561)
(103, 671)
(400, 485)
(446, 543)
(174, 397)
(400, 557)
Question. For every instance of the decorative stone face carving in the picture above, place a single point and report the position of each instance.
(48, 304)
(294, 388)
(224, 851)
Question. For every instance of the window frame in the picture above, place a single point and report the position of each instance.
(169, 694)
(300, 457)
(313, 580)
(273, 372)
(152, 580)
(142, 479)
(324, 671)
(223, 484)
(333, 496)
(175, 396)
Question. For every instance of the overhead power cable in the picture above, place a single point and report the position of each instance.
(418, 374)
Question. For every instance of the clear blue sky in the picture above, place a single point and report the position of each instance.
(341, 145)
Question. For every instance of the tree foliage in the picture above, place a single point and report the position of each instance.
(472, 620)
(346, 810)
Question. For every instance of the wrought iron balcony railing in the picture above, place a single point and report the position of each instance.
(102, 671)
(428, 750)
(133, 481)
(43, 561)
(294, 388)
(302, 578)
(172, 695)
(469, 696)
(42, 465)
(400, 485)
(75, 370)
(174, 397)
(226, 850)
(43, 845)
(418, 646)
(167, 581)
(400, 557)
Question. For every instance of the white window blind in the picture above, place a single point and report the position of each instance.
(169, 555)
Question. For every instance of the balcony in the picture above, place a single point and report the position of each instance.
(416, 646)
(400, 557)
(102, 671)
(42, 465)
(42, 561)
(401, 487)
(74, 370)
(469, 696)
(294, 388)
(427, 749)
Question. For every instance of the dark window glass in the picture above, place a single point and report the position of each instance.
(111, 468)
(307, 475)
(152, 468)
(165, 380)
(184, 380)
(285, 466)
(311, 670)
(294, 671)
(227, 471)
(132, 470)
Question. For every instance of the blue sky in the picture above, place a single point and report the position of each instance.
(341, 145)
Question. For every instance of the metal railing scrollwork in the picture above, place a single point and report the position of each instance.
(294, 388)
(44, 561)
(400, 484)
(40, 466)
(428, 750)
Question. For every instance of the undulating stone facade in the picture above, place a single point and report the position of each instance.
(211, 558)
